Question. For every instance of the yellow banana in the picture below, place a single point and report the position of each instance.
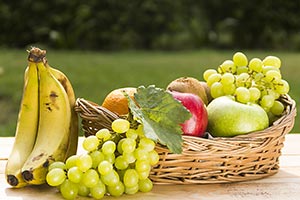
(53, 128)
(74, 129)
(26, 129)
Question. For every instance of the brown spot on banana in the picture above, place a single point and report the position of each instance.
(53, 95)
(48, 106)
(38, 157)
(46, 164)
(63, 82)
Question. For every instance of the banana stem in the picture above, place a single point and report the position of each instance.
(36, 55)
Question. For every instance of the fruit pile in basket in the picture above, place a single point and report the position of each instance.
(236, 98)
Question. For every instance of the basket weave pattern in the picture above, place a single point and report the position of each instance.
(218, 160)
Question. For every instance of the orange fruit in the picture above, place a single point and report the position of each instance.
(117, 102)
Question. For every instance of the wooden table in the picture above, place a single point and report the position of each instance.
(283, 185)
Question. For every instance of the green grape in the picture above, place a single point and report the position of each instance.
(83, 190)
(229, 89)
(281, 86)
(258, 77)
(227, 78)
(131, 178)
(213, 79)
(140, 154)
(74, 174)
(267, 101)
(277, 108)
(110, 179)
(68, 189)
(128, 145)
(242, 95)
(216, 90)
(256, 65)
(147, 144)
(90, 178)
(240, 59)
(132, 190)
(71, 161)
(227, 66)
(254, 94)
(153, 157)
(273, 93)
(119, 145)
(143, 174)
(56, 177)
(120, 125)
(129, 157)
(145, 185)
(98, 191)
(263, 92)
(268, 68)
(140, 131)
(84, 162)
(90, 143)
(105, 167)
(242, 79)
(116, 190)
(57, 164)
(272, 61)
(97, 157)
(242, 69)
(108, 147)
(110, 158)
(103, 134)
(121, 163)
(209, 72)
(272, 75)
(131, 133)
(142, 165)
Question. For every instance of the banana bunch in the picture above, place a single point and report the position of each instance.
(47, 127)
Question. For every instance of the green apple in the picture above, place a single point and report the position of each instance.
(226, 117)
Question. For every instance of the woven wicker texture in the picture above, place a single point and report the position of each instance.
(217, 160)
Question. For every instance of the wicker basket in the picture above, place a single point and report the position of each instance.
(217, 160)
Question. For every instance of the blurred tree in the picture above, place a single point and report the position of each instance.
(150, 24)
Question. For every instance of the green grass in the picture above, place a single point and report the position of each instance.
(95, 74)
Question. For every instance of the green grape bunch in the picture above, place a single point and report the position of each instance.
(255, 81)
(116, 162)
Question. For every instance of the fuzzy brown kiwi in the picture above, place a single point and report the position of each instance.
(207, 91)
(189, 85)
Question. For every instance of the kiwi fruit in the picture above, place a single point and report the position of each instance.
(189, 85)
(207, 91)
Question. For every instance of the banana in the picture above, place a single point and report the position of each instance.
(53, 128)
(73, 140)
(26, 129)
(47, 128)
(74, 128)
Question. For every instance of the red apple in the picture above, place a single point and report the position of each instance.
(197, 124)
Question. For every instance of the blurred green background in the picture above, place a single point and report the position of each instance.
(107, 44)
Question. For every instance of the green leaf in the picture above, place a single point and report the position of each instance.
(161, 116)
